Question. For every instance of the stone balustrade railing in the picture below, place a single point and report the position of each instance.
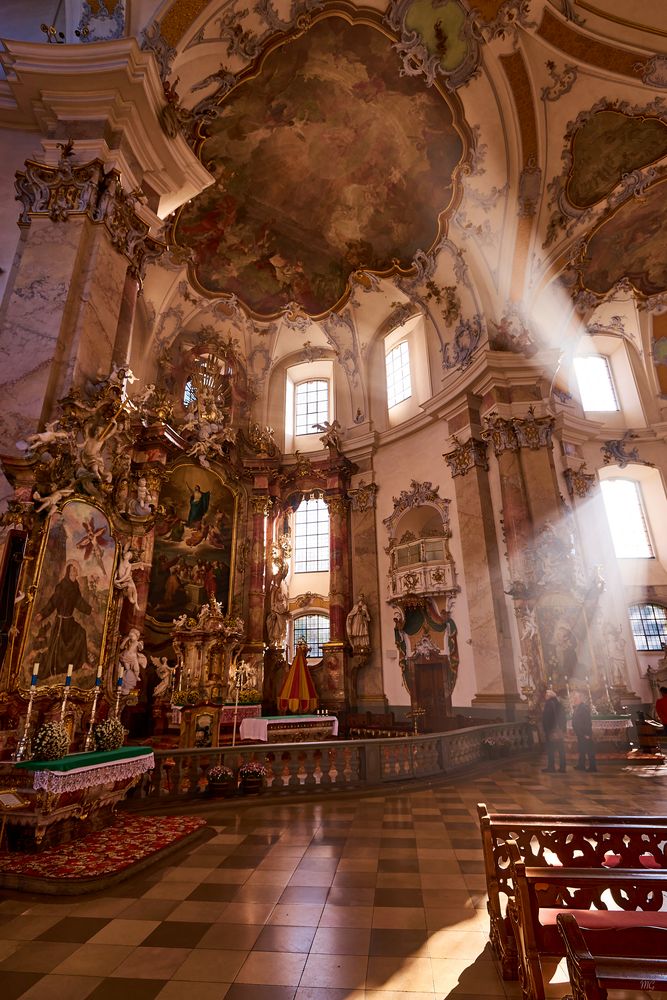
(339, 764)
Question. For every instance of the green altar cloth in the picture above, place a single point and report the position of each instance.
(75, 761)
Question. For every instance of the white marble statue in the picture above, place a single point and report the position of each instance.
(123, 579)
(132, 659)
(357, 625)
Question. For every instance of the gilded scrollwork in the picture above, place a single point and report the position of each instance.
(466, 455)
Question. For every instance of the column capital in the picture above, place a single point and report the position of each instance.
(580, 483)
(466, 455)
(261, 505)
(68, 189)
(363, 498)
(513, 433)
(337, 503)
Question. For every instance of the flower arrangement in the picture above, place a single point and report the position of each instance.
(186, 696)
(219, 773)
(251, 696)
(51, 742)
(109, 735)
(252, 769)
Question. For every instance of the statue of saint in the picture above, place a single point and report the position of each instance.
(356, 625)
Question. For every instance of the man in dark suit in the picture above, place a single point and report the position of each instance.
(582, 727)
(554, 723)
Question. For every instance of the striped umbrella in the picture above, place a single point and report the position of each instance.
(298, 694)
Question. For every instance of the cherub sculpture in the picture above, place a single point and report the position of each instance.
(123, 579)
(331, 437)
(50, 503)
(132, 659)
(49, 436)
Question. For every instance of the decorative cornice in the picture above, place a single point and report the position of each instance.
(580, 483)
(466, 455)
(364, 497)
(67, 189)
(518, 432)
(616, 451)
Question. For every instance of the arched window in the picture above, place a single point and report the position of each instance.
(314, 629)
(311, 405)
(596, 385)
(397, 365)
(627, 522)
(649, 626)
(311, 537)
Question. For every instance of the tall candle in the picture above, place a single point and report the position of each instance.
(98, 679)
(35, 672)
(68, 679)
(121, 671)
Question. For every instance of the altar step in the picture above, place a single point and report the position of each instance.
(98, 860)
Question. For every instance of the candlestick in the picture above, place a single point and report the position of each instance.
(35, 672)
(24, 746)
(119, 684)
(68, 678)
(90, 739)
(65, 697)
(236, 709)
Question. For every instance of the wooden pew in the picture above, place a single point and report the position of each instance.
(597, 961)
(542, 894)
(574, 840)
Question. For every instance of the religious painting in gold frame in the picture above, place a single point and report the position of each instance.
(69, 616)
(193, 554)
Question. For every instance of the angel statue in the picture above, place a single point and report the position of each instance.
(123, 579)
(331, 434)
(132, 659)
(165, 673)
(50, 503)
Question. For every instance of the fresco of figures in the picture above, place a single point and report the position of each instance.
(193, 545)
(74, 588)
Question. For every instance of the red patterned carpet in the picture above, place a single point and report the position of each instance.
(130, 841)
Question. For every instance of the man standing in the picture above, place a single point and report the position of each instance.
(582, 727)
(554, 723)
(661, 707)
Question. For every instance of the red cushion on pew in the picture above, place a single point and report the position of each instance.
(553, 943)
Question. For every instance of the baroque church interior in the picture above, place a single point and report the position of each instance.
(333, 370)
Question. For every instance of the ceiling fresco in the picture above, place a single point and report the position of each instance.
(608, 146)
(632, 244)
(326, 161)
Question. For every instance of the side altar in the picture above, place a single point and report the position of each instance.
(65, 799)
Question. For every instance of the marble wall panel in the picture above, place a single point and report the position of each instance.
(32, 323)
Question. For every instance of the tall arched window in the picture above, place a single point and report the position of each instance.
(649, 626)
(311, 405)
(314, 629)
(311, 537)
(627, 522)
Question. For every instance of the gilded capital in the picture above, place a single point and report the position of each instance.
(363, 498)
(580, 483)
(261, 505)
(466, 456)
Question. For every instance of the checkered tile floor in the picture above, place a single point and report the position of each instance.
(376, 897)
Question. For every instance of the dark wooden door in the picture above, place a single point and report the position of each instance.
(432, 696)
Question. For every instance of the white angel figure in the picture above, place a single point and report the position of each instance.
(123, 579)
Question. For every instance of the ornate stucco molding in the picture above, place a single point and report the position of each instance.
(580, 483)
(68, 189)
(466, 455)
(518, 432)
(364, 497)
(616, 451)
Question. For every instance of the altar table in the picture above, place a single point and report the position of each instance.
(289, 728)
(68, 798)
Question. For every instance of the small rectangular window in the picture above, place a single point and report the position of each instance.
(397, 363)
(311, 405)
(315, 630)
(596, 385)
(625, 513)
(311, 537)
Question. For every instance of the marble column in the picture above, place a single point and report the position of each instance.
(61, 309)
(260, 508)
(334, 651)
(367, 692)
(126, 314)
(492, 653)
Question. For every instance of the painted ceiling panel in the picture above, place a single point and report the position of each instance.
(606, 148)
(327, 161)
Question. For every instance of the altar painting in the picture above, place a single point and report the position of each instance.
(193, 545)
(563, 636)
(74, 590)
